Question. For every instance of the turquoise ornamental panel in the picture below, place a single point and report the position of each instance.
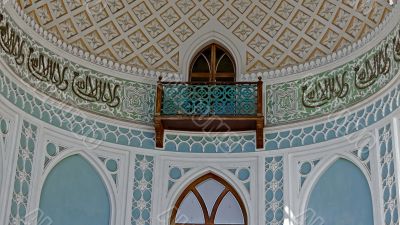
(142, 190)
(74, 193)
(274, 190)
(340, 197)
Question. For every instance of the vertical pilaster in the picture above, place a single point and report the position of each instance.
(387, 175)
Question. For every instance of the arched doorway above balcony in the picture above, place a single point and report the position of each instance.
(212, 63)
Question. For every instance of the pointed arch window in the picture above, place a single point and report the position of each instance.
(213, 63)
(209, 201)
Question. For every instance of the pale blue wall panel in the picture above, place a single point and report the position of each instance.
(341, 197)
(74, 193)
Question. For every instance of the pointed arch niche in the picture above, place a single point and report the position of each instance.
(74, 193)
(341, 196)
(212, 36)
(209, 200)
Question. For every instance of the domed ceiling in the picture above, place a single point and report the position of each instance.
(149, 34)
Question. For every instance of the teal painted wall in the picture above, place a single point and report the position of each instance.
(74, 193)
(341, 197)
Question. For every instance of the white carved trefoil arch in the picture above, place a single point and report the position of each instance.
(321, 157)
(166, 195)
(96, 154)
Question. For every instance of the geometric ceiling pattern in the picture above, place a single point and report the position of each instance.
(149, 34)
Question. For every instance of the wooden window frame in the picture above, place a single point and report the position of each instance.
(212, 75)
(208, 219)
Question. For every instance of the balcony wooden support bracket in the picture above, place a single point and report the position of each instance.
(260, 133)
(208, 123)
(159, 129)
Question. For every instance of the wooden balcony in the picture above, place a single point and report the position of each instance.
(209, 107)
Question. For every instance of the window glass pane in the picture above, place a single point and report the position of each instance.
(219, 53)
(207, 53)
(190, 211)
(209, 191)
(229, 211)
(224, 64)
(201, 65)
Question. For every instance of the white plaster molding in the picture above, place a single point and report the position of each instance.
(396, 155)
(378, 185)
(8, 192)
(6, 160)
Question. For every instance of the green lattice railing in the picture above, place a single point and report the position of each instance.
(209, 98)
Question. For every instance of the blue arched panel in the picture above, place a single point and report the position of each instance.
(74, 193)
(340, 197)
